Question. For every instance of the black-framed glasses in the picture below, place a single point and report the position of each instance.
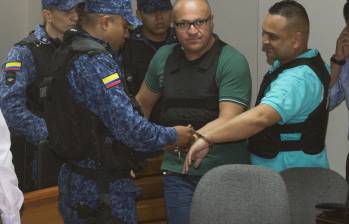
(198, 23)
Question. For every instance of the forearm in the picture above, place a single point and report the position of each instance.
(335, 71)
(244, 125)
(146, 98)
(23, 121)
(227, 111)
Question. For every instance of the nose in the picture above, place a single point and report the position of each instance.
(265, 39)
(159, 15)
(74, 15)
(192, 29)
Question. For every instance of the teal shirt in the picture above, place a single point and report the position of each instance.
(294, 95)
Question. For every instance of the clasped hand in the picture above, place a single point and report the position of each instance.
(189, 141)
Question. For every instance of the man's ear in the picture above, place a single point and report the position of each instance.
(139, 14)
(297, 39)
(104, 21)
(47, 15)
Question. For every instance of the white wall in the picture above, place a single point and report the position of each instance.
(238, 23)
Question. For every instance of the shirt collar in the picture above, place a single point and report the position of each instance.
(307, 54)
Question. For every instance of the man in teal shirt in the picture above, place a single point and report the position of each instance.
(287, 127)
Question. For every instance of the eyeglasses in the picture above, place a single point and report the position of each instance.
(198, 23)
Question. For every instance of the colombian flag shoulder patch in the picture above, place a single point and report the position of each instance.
(111, 80)
(13, 66)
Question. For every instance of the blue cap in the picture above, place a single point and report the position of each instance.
(150, 6)
(63, 5)
(116, 7)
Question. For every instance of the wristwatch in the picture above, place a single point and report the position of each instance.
(337, 62)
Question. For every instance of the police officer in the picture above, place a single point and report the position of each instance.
(25, 67)
(94, 183)
(145, 40)
(200, 81)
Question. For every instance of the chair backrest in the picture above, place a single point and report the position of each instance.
(241, 194)
(309, 186)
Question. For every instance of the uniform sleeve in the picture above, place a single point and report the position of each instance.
(13, 96)
(233, 77)
(337, 92)
(294, 94)
(95, 83)
(11, 198)
(154, 75)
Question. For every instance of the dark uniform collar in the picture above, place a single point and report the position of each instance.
(83, 33)
(137, 35)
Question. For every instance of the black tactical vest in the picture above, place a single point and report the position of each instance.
(268, 143)
(75, 131)
(190, 92)
(137, 54)
(43, 59)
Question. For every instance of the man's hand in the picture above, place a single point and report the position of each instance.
(184, 138)
(342, 46)
(342, 52)
(197, 152)
(184, 135)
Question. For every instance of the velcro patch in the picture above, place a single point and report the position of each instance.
(13, 66)
(111, 80)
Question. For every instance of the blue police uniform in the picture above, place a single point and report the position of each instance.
(13, 98)
(62, 5)
(96, 82)
(18, 73)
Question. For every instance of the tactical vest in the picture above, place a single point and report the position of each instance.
(75, 131)
(268, 143)
(48, 164)
(190, 92)
(137, 53)
(43, 58)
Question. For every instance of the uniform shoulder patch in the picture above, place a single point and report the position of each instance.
(111, 80)
(13, 66)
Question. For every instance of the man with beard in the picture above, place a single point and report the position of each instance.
(287, 127)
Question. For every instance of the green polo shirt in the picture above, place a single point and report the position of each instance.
(234, 83)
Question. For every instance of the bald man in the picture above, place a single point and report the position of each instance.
(287, 127)
(204, 82)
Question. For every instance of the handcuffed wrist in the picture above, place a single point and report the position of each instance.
(209, 142)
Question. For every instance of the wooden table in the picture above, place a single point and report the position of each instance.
(332, 217)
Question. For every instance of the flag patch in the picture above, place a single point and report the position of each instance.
(13, 66)
(111, 80)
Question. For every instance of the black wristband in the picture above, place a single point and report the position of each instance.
(337, 62)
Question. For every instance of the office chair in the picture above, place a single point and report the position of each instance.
(240, 194)
(310, 186)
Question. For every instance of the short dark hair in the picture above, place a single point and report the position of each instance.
(346, 11)
(291, 10)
